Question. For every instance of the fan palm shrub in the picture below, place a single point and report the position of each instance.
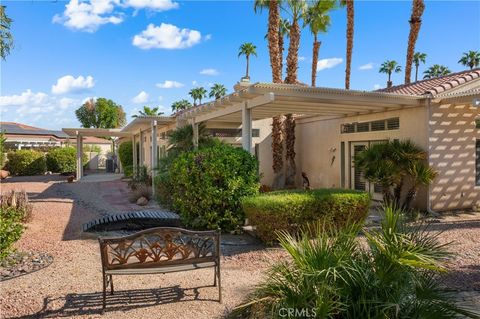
(330, 274)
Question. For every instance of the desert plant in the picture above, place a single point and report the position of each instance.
(140, 177)
(331, 275)
(290, 210)
(207, 185)
(62, 160)
(19, 201)
(125, 153)
(26, 162)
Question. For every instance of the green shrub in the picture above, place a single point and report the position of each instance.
(125, 153)
(11, 229)
(208, 184)
(287, 210)
(62, 160)
(336, 276)
(26, 162)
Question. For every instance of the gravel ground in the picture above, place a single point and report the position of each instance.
(71, 286)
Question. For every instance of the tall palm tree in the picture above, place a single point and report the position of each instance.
(418, 58)
(318, 19)
(297, 10)
(217, 91)
(147, 111)
(436, 71)
(284, 30)
(350, 28)
(6, 38)
(470, 59)
(180, 105)
(418, 6)
(272, 36)
(194, 95)
(198, 94)
(389, 67)
(247, 49)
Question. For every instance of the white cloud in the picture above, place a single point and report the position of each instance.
(166, 36)
(377, 86)
(69, 84)
(168, 84)
(194, 83)
(89, 16)
(365, 67)
(209, 72)
(29, 105)
(157, 5)
(328, 63)
(141, 97)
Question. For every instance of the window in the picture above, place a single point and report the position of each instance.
(231, 132)
(373, 126)
(477, 122)
(477, 163)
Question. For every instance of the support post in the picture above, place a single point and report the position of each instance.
(154, 163)
(135, 155)
(142, 153)
(195, 134)
(79, 156)
(246, 128)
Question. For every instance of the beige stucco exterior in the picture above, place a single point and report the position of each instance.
(452, 141)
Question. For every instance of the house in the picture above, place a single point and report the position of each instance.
(21, 136)
(441, 115)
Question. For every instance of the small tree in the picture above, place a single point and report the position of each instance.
(247, 49)
(6, 38)
(436, 71)
(388, 67)
(101, 113)
(148, 111)
(181, 105)
(470, 59)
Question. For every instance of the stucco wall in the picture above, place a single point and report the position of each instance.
(318, 145)
(452, 153)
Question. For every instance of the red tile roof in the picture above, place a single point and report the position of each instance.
(436, 85)
(95, 140)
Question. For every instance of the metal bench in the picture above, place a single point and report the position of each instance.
(157, 251)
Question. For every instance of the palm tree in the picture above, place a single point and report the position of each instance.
(273, 36)
(350, 28)
(436, 71)
(470, 59)
(418, 6)
(180, 105)
(147, 111)
(6, 38)
(198, 94)
(389, 67)
(417, 59)
(297, 10)
(318, 19)
(421, 175)
(247, 49)
(284, 30)
(217, 91)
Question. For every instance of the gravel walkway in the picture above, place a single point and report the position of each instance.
(71, 286)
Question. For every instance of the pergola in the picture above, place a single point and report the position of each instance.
(265, 100)
(79, 133)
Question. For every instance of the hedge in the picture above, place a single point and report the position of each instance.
(208, 184)
(125, 153)
(288, 210)
(26, 162)
(62, 160)
(11, 229)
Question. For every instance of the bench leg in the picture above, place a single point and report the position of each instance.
(111, 285)
(104, 293)
(215, 276)
(219, 284)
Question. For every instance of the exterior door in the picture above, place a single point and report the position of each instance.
(357, 177)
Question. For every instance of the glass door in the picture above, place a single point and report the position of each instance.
(357, 177)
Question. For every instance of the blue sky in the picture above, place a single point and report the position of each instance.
(66, 52)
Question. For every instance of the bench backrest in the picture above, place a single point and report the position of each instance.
(159, 246)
